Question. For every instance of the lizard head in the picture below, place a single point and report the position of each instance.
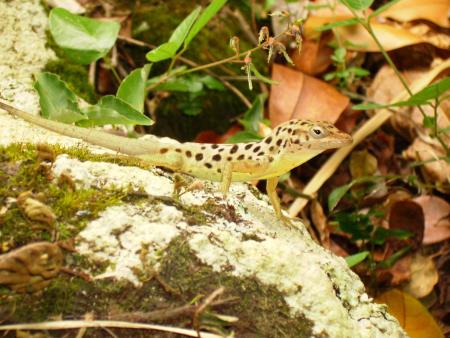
(311, 135)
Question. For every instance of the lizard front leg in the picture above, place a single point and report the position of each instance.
(227, 175)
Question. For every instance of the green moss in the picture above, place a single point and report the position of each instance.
(21, 171)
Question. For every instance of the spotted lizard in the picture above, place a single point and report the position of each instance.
(289, 145)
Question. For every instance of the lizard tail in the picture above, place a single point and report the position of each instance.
(124, 145)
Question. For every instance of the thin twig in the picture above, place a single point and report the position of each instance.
(191, 63)
(166, 314)
(208, 301)
(76, 324)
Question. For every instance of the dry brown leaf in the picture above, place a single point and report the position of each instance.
(362, 163)
(391, 35)
(34, 209)
(314, 58)
(424, 276)
(437, 218)
(401, 270)
(437, 171)
(31, 267)
(298, 95)
(406, 215)
(411, 314)
(432, 10)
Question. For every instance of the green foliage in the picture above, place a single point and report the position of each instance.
(360, 226)
(83, 39)
(132, 88)
(168, 49)
(204, 18)
(345, 75)
(61, 104)
(251, 120)
(56, 100)
(357, 258)
(338, 193)
(381, 9)
(185, 32)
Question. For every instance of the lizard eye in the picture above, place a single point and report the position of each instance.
(317, 132)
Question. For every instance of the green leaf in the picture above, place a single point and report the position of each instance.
(381, 234)
(260, 76)
(429, 121)
(83, 40)
(99, 116)
(181, 32)
(357, 4)
(162, 52)
(57, 101)
(381, 9)
(132, 88)
(331, 25)
(211, 83)
(168, 49)
(358, 71)
(244, 137)
(430, 92)
(356, 258)
(369, 105)
(329, 76)
(254, 115)
(337, 194)
(178, 84)
(116, 111)
(389, 262)
(339, 55)
(204, 18)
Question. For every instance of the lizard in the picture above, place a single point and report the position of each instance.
(289, 145)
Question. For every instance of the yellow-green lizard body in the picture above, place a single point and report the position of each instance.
(289, 145)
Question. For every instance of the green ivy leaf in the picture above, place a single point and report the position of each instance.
(132, 88)
(116, 111)
(57, 101)
(356, 258)
(84, 40)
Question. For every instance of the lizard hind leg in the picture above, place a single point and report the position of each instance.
(271, 186)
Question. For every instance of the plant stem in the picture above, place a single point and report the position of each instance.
(366, 24)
